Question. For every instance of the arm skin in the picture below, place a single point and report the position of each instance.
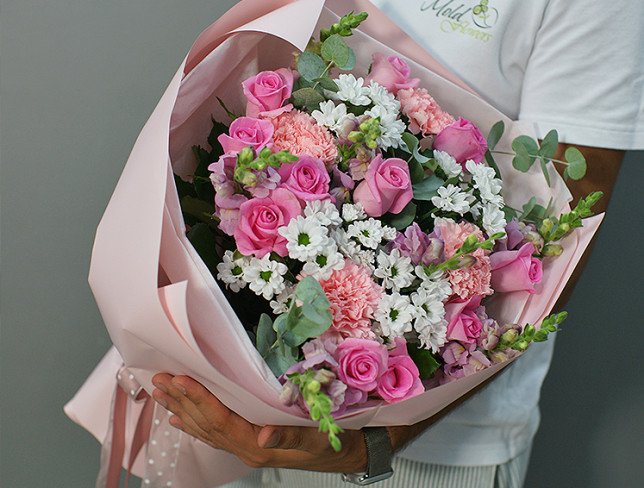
(202, 415)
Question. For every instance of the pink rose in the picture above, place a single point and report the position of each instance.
(516, 270)
(462, 322)
(386, 187)
(391, 72)
(267, 92)
(307, 178)
(259, 219)
(361, 362)
(463, 141)
(247, 131)
(401, 380)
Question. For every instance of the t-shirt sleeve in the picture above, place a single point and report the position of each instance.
(585, 76)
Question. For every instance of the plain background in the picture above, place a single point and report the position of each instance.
(78, 80)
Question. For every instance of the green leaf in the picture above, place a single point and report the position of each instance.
(544, 170)
(411, 142)
(308, 316)
(525, 149)
(184, 188)
(310, 65)
(549, 145)
(266, 335)
(496, 132)
(302, 83)
(307, 98)
(491, 162)
(327, 83)
(335, 50)
(424, 359)
(576, 164)
(281, 358)
(528, 207)
(197, 208)
(351, 63)
(403, 219)
(416, 171)
(427, 188)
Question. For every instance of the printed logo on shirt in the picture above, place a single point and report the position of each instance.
(473, 19)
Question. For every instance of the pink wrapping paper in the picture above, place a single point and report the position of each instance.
(187, 326)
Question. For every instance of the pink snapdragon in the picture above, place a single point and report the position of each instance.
(461, 361)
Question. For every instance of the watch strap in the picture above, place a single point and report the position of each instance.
(379, 455)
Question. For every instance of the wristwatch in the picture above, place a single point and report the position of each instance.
(379, 454)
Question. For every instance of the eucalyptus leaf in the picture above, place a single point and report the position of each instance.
(427, 188)
(576, 164)
(411, 142)
(544, 170)
(416, 171)
(522, 160)
(266, 335)
(528, 207)
(549, 145)
(335, 50)
(424, 360)
(403, 219)
(491, 162)
(281, 358)
(351, 63)
(496, 132)
(307, 97)
(328, 84)
(311, 66)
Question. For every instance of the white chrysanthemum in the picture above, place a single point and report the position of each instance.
(282, 301)
(380, 96)
(485, 181)
(323, 265)
(323, 211)
(366, 232)
(432, 335)
(265, 276)
(395, 270)
(448, 164)
(394, 314)
(352, 90)
(305, 238)
(436, 284)
(366, 258)
(231, 271)
(347, 246)
(331, 115)
(493, 219)
(353, 211)
(391, 127)
(452, 199)
(389, 233)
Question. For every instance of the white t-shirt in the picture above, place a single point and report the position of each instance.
(572, 65)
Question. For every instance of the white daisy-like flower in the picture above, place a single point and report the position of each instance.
(282, 302)
(448, 164)
(323, 265)
(395, 315)
(380, 96)
(305, 238)
(231, 271)
(353, 211)
(437, 284)
(432, 335)
(451, 198)
(265, 276)
(391, 127)
(429, 306)
(366, 232)
(347, 246)
(352, 90)
(389, 233)
(323, 211)
(395, 270)
(366, 258)
(485, 181)
(493, 219)
(331, 115)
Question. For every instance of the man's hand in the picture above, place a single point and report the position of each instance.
(200, 414)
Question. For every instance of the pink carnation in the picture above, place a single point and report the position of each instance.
(474, 279)
(354, 297)
(425, 115)
(299, 134)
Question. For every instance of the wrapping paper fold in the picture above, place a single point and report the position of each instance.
(162, 307)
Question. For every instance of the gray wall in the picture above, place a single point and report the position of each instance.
(78, 80)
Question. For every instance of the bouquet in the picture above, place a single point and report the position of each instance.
(365, 229)
(367, 277)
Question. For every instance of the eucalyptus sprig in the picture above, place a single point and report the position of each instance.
(319, 404)
(462, 256)
(512, 339)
